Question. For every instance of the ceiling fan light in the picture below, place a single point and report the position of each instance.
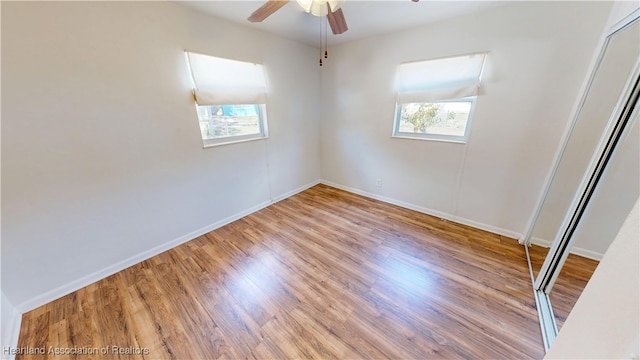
(319, 7)
(305, 5)
(335, 4)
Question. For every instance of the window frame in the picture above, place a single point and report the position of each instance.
(435, 81)
(227, 140)
(461, 139)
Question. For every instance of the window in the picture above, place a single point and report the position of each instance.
(230, 99)
(436, 98)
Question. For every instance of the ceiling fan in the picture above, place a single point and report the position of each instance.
(330, 8)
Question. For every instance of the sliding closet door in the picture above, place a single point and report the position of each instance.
(601, 151)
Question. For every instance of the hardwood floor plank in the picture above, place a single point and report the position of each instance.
(324, 274)
(267, 349)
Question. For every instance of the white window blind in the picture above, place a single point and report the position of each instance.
(221, 81)
(440, 79)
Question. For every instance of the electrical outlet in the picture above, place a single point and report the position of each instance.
(379, 182)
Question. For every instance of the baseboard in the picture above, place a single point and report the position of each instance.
(295, 191)
(388, 200)
(489, 228)
(121, 265)
(14, 331)
(589, 254)
(541, 242)
(424, 210)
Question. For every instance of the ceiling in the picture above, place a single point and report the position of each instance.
(364, 18)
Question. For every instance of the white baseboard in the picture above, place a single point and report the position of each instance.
(295, 191)
(541, 242)
(14, 331)
(121, 265)
(440, 214)
(490, 228)
(589, 254)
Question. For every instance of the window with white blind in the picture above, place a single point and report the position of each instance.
(436, 98)
(230, 99)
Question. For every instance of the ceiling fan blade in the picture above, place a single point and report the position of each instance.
(337, 22)
(266, 10)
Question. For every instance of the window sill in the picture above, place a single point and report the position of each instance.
(222, 142)
(447, 140)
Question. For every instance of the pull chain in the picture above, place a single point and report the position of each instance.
(320, 41)
(325, 39)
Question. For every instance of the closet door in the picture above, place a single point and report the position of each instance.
(595, 181)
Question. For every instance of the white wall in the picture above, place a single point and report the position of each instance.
(604, 322)
(538, 56)
(102, 161)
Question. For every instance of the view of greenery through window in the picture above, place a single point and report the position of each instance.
(441, 118)
(218, 121)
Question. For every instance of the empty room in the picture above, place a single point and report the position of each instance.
(407, 179)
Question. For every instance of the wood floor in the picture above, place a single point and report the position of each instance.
(323, 274)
